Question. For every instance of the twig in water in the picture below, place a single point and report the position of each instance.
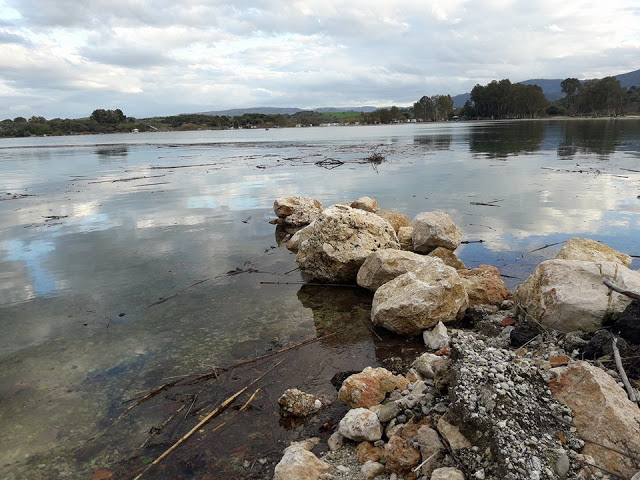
(155, 431)
(546, 246)
(149, 395)
(467, 242)
(623, 374)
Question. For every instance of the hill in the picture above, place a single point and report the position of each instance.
(238, 112)
(552, 89)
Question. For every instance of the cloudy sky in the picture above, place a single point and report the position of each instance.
(65, 58)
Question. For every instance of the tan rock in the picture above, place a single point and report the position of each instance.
(434, 367)
(366, 452)
(452, 434)
(400, 455)
(405, 237)
(602, 414)
(297, 210)
(298, 463)
(417, 300)
(592, 251)
(431, 448)
(298, 237)
(397, 220)
(484, 285)
(371, 470)
(448, 257)
(384, 265)
(435, 229)
(367, 204)
(447, 473)
(360, 424)
(569, 295)
(370, 387)
(340, 241)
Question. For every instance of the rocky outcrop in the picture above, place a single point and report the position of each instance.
(340, 240)
(397, 220)
(360, 424)
(569, 295)
(297, 211)
(603, 416)
(592, 251)
(435, 229)
(419, 299)
(484, 285)
(299, 463)
(370, 387)
(384, 265)
(295, 403)
(367, 204)
(448, 257)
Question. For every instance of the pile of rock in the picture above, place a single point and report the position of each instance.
(511, 400)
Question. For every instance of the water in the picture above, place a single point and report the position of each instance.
(114, 270)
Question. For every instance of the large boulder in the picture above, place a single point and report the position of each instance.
(603, 416)
(341, 239)
(435, 229)
(484, 285)
(590, 250)
(360, 424)
(569, 295)
(297, 211)
(384, 265)
(299, 463)
(370, 387)
(417, 300)
(397, 220)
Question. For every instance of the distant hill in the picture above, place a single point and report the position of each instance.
(552, 89)
(238, 112)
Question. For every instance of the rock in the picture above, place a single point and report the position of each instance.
(484, 285)
(397, 220)
(365, 203)
(435, 229)
(628, 323)
(452, 434)
(592, 251)
(384, 265)
(434, 367)
(447, 473)
(448, 257)
(297, 210)
(602, 413)
(568, 295)
(370, 387)
(297, 238)
(360, 424)
(295, 403)
(523, 333)
(419, 299)
(388, 412)
(370, 470)
(401, 457)
(335, 441)
(430, 446)
(298, 463)
(366, 452)
(340, 241)
(436, 338)
(405, 237)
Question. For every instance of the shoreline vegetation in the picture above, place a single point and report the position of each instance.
(497, 100)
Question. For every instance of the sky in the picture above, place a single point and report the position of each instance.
(65, 58)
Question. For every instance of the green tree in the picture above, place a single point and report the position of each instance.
(571, 88)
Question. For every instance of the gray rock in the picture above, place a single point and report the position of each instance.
(437, 337)
(297, 210)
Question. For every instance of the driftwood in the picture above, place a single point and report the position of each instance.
(128, 179)
(623, 374)
(616, 288)
(173, 167)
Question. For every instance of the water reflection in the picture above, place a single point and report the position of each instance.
(112, 153)
(599, 137)
(32, 254)
(436, 142)
(506, 139)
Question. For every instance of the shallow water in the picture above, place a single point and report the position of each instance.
(114, 271)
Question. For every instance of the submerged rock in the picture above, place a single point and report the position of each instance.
(569, 295)
(419, 299)
(592, 251)
(340, 240)
(295, 403)
(435, 229)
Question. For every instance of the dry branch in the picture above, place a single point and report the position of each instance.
(623, 374)
(616, 288)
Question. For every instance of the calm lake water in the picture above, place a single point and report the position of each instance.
(115, 261)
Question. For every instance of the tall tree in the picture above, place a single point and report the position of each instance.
(571, 87)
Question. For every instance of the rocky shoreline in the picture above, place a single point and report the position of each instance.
(511, 386)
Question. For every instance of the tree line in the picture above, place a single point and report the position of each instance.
(597, 97)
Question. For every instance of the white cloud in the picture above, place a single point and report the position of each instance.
(66, 58)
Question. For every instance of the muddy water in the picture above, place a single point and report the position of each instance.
(129, 260)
